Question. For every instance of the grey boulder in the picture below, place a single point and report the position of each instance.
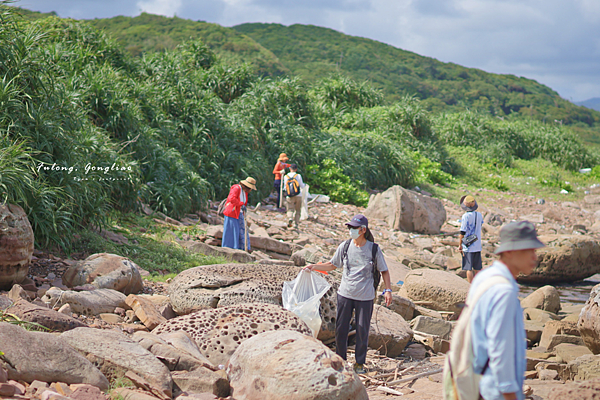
(113, 351)
(30, 356)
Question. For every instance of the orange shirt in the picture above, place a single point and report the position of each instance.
(278, 167)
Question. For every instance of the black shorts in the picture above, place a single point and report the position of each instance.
(472, 261)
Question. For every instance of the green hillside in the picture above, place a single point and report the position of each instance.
(312, 52)
(151, 33)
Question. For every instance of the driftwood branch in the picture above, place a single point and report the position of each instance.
(412, 378)
(390, 391)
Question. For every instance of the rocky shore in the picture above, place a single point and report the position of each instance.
(96, 328)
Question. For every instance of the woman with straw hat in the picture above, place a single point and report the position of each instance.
(234, 231)
(280, 166)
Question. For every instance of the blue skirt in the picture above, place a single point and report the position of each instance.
(233, 233)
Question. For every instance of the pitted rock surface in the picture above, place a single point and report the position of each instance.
(286, 365)
(589, 321)
(16, 245)
(223, 285)
(219, 332)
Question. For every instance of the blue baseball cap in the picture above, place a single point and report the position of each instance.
(357, 221)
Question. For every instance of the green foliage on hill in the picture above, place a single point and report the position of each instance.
(148, 33)
(313, 52)
(85, 128)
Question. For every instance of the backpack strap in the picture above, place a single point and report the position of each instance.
(345, 250)
(374, 250)
(374, 255)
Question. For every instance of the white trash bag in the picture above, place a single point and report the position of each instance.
(302, 296)
(304, 208)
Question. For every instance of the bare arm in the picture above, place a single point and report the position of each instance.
(510, 396)
(328, 266)
(388, 285)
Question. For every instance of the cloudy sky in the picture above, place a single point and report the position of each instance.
(556, 42)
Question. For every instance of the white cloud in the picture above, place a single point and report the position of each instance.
(161, 7)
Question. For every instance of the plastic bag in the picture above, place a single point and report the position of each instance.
(304, 209)
(302, 296)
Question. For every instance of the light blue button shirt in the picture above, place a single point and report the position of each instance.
(498, 332)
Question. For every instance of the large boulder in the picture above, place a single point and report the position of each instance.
(545, 298)
(408, 211)
(16, 245)
(308, 255)
(91, 302)
(567, 258)
(583, 368)
(440, 290)
(236, 255)
(115, 354)
(5, 302)
(269, 244)
(287, 365)
(589, 321)
(400, 305)
(105, 271)
(224, 285)
(432, 326)
(44, 316)
(174, 358)
(389, 332)
(219, 332)
(557, 328)
(30, 356)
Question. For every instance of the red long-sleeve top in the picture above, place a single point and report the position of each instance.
(234, 204)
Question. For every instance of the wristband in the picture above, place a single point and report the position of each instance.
(386, 290)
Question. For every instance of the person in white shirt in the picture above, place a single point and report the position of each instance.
(293, 203)
(471, 223)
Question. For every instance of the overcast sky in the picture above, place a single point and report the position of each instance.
(556, 42)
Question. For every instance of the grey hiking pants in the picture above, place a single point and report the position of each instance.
(363, 311)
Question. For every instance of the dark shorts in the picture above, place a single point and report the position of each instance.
(472, 261)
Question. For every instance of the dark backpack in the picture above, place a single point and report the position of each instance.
(292, 187)
(376, 273)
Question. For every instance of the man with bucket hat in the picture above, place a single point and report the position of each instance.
(470, 237)
(361, 260)
(493, 318)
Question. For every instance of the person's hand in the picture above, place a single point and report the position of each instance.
(460, 249)
(309, 268)
(388, 298)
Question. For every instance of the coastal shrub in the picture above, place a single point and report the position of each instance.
(327, 178)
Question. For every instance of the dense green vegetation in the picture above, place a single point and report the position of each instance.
(87, 128)
(313, 53)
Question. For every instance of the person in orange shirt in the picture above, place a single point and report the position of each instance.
(280, 166)
(234, 232)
